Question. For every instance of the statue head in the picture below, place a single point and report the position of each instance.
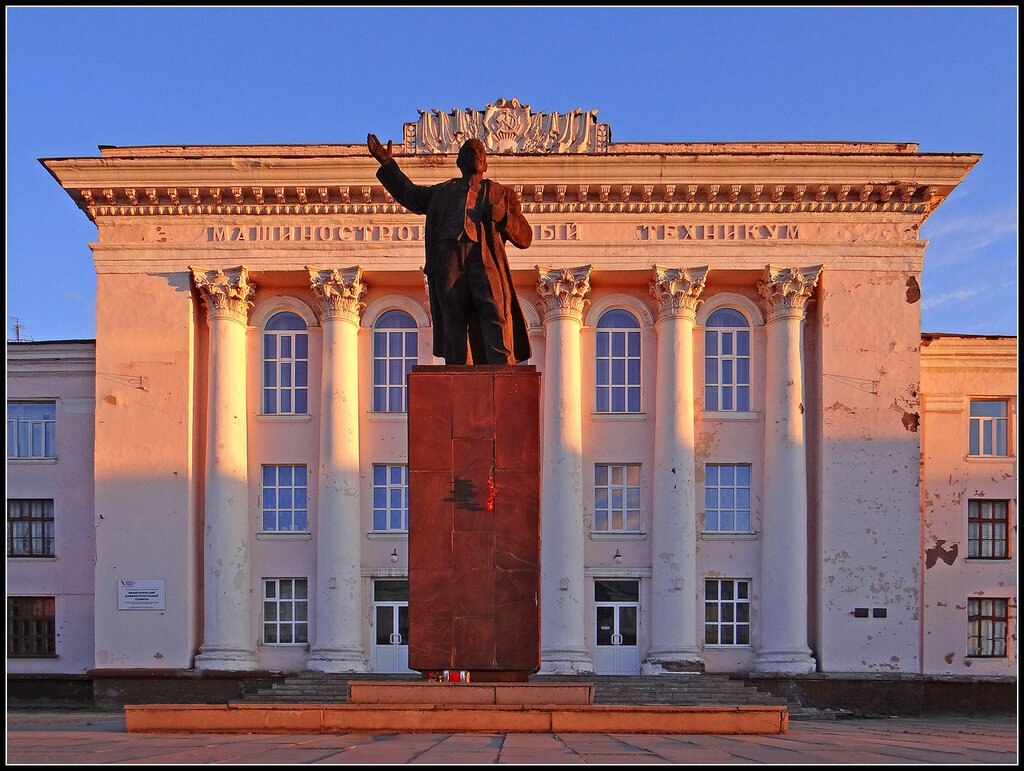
(472, 157)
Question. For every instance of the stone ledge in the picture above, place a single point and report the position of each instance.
(337, 718)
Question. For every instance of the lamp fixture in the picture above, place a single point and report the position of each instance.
(394, 555)
(618, 556)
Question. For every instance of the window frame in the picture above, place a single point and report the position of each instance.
(48, 427)
(48, 533)
(1000, 432)
(293, 508)
(389, 487)
(293, 603)
(293, 362)
(976, 522)
(625, 488)
(987, 632)
(631, 386)
(383, 391)
(17, 625)
(735, 488)
(734, 604)
(728, 361)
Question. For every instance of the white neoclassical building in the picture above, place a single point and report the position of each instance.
(744, 434)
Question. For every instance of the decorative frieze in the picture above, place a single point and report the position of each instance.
(227, 293)
(563, 291)
(786, 291)
(340, 291)
(539, 198)
(507, 126)
(677, 290)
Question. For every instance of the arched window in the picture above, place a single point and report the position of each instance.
(618, 362)
(285, 365)
(394, 353)
(727, 361)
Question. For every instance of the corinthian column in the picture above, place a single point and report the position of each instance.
(783, 612)
(674, 622)
(228, 642)
(337, 644)
(563, 628)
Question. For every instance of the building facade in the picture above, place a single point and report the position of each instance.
(732, 438)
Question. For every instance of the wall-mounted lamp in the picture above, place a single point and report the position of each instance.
(618, 556)
(394, 555)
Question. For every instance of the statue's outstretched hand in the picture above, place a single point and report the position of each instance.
(377, 150)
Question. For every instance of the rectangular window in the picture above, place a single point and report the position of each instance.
(391, 498)
(617, 497)
(31, 427)
(285, 499)
(29, 528)
(285, 611)
(988, 429)
(987, 527)
(31, 627)
(726, 498)
(986, 627)
(726, 611)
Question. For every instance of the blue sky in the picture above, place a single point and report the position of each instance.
(944, 78)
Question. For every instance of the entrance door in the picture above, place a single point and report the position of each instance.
(617, 616)
(391, 626)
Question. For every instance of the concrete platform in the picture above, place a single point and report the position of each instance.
(450, 694)
(481, 718)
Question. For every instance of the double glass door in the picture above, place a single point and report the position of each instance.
(617, 632)
(391, 626)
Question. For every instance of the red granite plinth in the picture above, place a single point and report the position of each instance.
(474, 520)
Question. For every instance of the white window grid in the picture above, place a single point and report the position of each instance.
(31, 430)
(988, 428)
(395, 351)
(727, 368)
(285, 372)
(285, 611)
(986, 627)
(727, 498)
(390, 498)
(987, 529)
(727, 611)
(618, 361)
(285, 499)
(30, 527)
(617, 497)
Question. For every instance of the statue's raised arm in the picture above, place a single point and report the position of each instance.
(377, 150)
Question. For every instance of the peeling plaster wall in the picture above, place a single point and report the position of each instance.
(145, 506)
(68, 575)
(953, 371)
(869, 470)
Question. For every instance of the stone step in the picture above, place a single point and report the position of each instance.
(627, 690)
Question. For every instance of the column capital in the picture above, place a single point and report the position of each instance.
(339, 291)
(227, 293)
(563, 291)
(677, 290)
(785, 292)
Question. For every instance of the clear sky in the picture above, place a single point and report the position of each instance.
(944, 78)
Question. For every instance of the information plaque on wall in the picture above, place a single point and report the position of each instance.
(140, 594)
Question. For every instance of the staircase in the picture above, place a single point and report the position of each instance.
(701, 690)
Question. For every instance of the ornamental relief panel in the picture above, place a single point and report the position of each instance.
(508, 127)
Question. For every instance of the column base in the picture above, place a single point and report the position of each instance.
(685, 662)
(225, 659)
(337, 660)
(787, 662)
(565, 662)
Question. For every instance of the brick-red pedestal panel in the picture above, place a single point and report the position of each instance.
(474, 550)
